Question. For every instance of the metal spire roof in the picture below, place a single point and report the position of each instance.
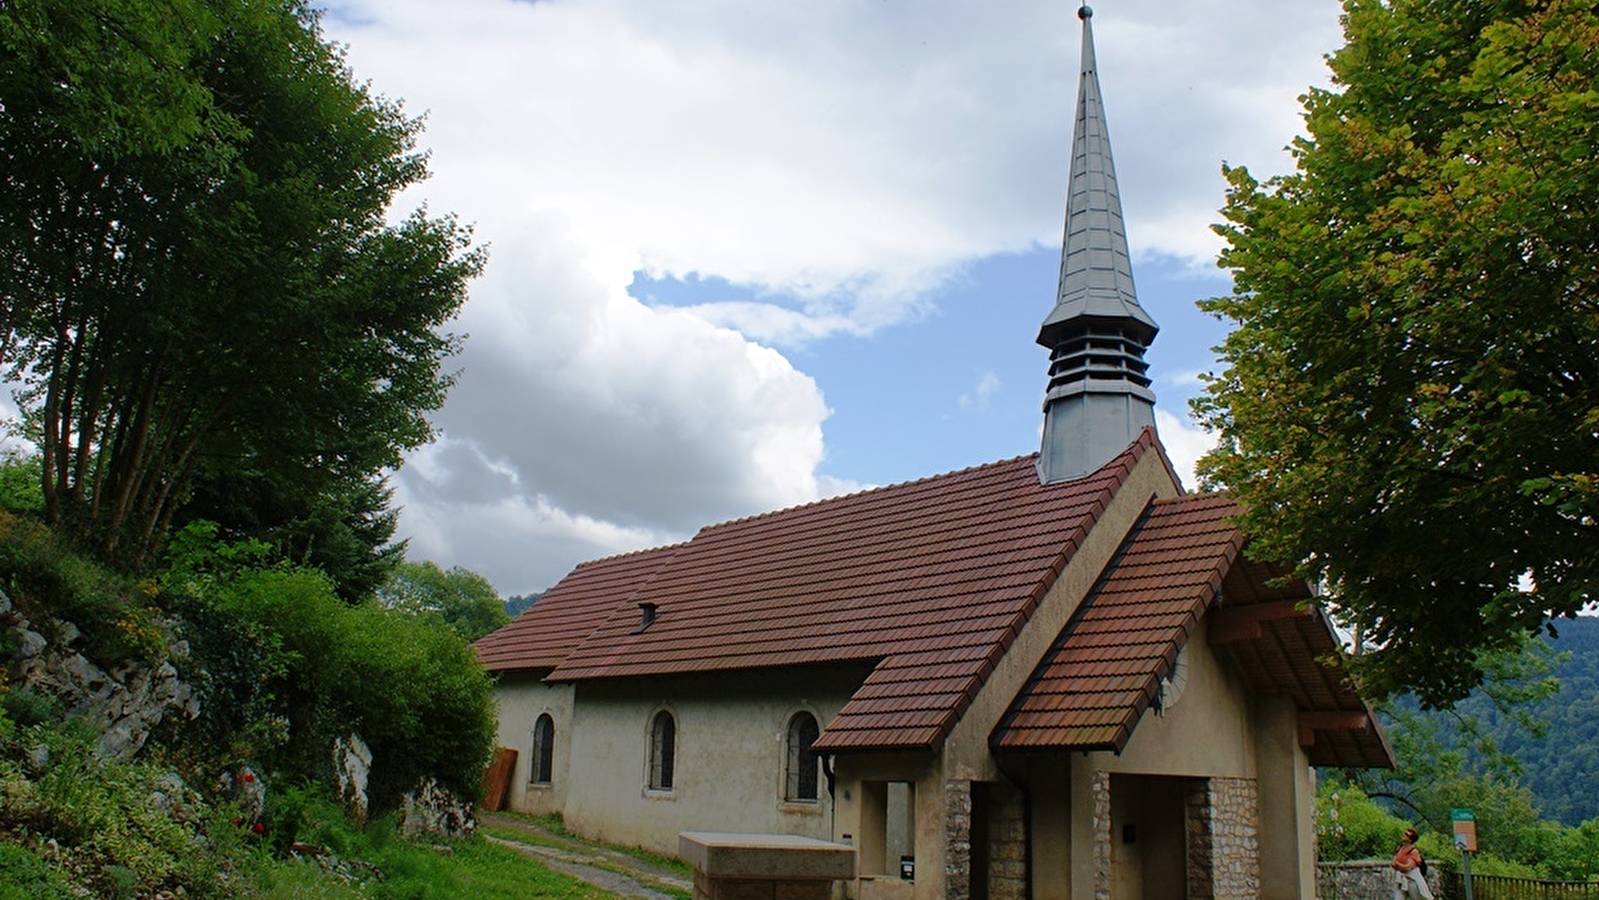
(1096, 276)
(1098, 400)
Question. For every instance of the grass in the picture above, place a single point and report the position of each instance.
(476, 870)
(550, 831)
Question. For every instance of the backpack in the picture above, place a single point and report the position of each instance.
(1421, 863)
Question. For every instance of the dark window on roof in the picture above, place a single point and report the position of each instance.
(543, 750)
(802, 763)
(663, 751)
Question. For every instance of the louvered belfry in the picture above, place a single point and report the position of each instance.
(1098, 400)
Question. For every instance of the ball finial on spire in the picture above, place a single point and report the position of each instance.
(1085, 11)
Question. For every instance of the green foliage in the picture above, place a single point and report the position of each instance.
(113, 76)
(1490, 753)
(462, 598)
(26, 876)
(516, 604)
(1350, 825)
(200, 287)
(1414, 335)
(49, 582)
(341, 526)
(120, 829)
(19, 484)
(302, 657)
(26, 707)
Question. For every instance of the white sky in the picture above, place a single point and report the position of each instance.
(819, 187)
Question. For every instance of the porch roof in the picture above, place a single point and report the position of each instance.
(1180, 564)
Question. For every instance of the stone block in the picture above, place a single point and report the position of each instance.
(773, 857)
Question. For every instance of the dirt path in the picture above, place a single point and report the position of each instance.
(601, 866)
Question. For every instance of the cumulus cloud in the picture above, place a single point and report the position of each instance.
(841, 160)
(1185, 443)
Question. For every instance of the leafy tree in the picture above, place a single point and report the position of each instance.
(1410, 399)
(19, 484)
(342, 526)
(462, 598)
(516, 604)
(204, 290)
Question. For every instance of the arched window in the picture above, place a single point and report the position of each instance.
(663, 751)
(543, 750)
(802, 765)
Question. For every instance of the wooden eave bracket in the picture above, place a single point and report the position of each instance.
(1310, 722)
(1231, 624)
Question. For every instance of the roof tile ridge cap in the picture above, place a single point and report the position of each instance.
(625, 554)
(1012, 460)
(1200, 498)
(1149, 438)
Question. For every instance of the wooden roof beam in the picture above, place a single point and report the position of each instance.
(1230, 624)
(1310, 722)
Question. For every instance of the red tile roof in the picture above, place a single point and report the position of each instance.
(549, 629)
(931, 580)
(1103, 672)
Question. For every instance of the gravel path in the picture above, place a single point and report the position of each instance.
(610, 870)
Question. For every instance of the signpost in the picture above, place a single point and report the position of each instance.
(1465, 841)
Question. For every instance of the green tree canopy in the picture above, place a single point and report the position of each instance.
(204, 289)
(1409, 405)
(462, 598)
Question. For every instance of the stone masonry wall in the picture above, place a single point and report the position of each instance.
(1199, 839)
(1235, 843)
(1007, 843)
(1101, 835)
(1361, 880)
(958, 840)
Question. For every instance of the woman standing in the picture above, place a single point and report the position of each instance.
(1410, 873)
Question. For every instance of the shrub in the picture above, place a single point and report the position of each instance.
(49, 583)
(407, 683)
(121, 829)
(1350, 825)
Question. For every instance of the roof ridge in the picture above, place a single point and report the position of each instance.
(1116, 472)
(658, 548)
(862, 492)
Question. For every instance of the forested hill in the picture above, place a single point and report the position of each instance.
(1562, 768)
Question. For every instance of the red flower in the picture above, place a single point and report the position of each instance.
(248, 777)
(258, 828)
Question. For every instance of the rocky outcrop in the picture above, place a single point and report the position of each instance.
(123, 704)
(352, 761)
(433, 811)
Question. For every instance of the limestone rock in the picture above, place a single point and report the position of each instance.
(432, 811)
(352, 760)
(124, 705)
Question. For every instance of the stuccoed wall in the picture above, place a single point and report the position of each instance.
(730, 756)
(521, 699)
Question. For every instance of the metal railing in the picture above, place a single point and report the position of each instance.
(1500, 887)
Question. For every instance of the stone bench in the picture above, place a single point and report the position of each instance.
(764, 866)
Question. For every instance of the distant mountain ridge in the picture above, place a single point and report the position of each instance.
(1562, 768)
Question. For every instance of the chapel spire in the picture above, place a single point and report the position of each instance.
(1098, 400)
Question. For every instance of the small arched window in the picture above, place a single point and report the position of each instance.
(663, 751)
(543, 750)
(802, 763)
